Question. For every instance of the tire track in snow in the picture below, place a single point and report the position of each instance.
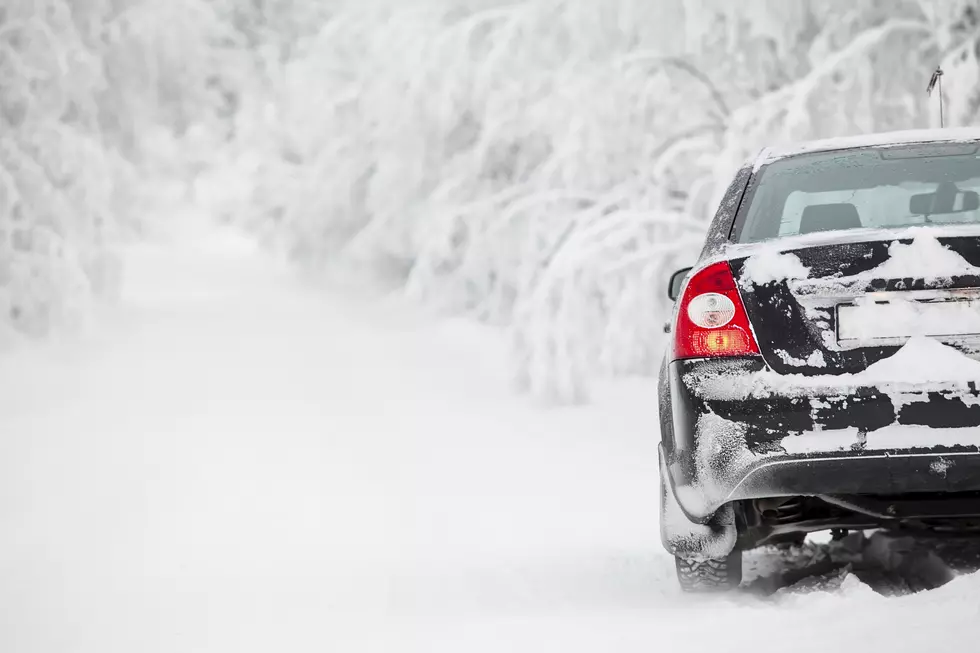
(891, 564)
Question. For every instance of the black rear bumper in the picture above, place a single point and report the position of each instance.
(868, 473)
(727, 438)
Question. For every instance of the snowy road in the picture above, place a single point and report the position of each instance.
(241, 463)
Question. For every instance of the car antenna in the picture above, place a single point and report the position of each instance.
(937, 78)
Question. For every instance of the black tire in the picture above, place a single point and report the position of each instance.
(710, 576)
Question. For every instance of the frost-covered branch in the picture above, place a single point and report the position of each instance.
(540, 165)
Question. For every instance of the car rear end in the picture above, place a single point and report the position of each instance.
(826, 359)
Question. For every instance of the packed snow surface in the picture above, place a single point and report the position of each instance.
(240, 462)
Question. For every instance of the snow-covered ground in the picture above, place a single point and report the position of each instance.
(242, 462)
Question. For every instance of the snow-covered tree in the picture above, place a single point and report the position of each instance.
(545, 164)
(90, 90)
(541, 164)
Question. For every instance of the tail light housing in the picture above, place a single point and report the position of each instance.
(711, 318)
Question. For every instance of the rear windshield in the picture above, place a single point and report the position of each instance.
(865, 188)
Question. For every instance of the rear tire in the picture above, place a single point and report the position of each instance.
(710, 576)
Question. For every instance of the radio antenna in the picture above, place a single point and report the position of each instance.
(937, 80)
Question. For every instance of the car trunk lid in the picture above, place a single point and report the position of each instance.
(838, 305)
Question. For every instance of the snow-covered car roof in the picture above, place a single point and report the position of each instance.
(949, 135)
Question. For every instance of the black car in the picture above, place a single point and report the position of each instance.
(823, 372)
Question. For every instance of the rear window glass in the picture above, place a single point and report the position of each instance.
(880, 188)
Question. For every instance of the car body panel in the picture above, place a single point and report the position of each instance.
(734, 438)
(795, 320)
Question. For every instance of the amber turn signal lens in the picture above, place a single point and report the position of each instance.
(723, 342)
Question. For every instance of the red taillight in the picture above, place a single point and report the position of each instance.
(711, 319)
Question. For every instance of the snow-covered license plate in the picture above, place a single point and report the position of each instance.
(907, 319)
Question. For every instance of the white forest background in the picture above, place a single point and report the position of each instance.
(538, 165)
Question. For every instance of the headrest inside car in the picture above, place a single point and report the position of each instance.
(829, 217)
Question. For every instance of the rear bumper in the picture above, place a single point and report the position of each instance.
(873, 473)
(730, 439)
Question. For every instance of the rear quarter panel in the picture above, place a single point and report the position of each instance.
(716, 239)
